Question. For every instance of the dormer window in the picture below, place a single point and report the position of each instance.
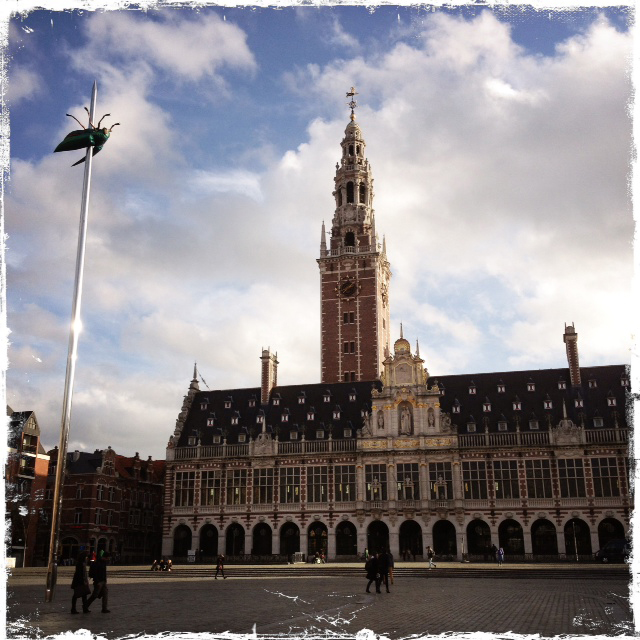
(441, 388)
(502, 425)
(534, 424)
(227, 403)
(234, 420)
(501, 387)
(336, 414)
(319, 434)
(611, 401)
(204, 405)
(242, 437)
(284, 417)
(192, 441)
(252, 402)
(301, 399)
(310, 415)
(276, 402)
(209, 422)
(547, 403)
(216, 439)
(562, 385)
(347, 433)
(472, 389)
(486, 406)
(579, 402)
(593, 383)
(352, 396)
(260, 419)
(456, 408)
(327, 397)
(624, 381)
(471, 427)
(293, 435)
(598, 421)
(531, 385)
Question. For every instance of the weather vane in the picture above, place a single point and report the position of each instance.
(86, 137)
(352, 103)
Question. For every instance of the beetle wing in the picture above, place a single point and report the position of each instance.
(95, 150)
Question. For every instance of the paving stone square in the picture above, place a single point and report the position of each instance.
(329, 607)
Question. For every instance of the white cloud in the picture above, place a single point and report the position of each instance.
(25, 84)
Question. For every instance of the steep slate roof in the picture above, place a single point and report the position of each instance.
(313, 394)
(455, 387)
(607, 379)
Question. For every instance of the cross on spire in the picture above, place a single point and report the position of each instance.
(352, 103)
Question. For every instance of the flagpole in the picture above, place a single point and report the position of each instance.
(52, 571)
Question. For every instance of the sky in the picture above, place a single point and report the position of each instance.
(500, 142)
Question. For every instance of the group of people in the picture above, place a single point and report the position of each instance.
(163, 565)
(379, 568)
(97, 566)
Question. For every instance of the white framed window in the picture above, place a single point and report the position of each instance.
(472, 390)
(242, 437)
(471, 427)
(216, 439)
(284, 417)
(347, 433)
(501, 388)
(319, 434)
(611, 401)
(293, 435)
(203, 406)
(579, 402)
(227, 404)
(252, 403)
(517, 405)
(209, 422)
(300, 399)
(99, 492)
(502, 425)
(234, 420)
(276, 402)
(260, 419)
(548, 404)
(624, 381)
(79, 490)
(531, 386)
(455, 408)
(336, 415)
(327, 398)
(311, 415)
(352, 397)
(562, 385)
(486, 407)
(598, 421)
(593, 383)
(534, 424)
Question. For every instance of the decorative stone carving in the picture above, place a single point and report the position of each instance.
(567, 433)
(406, 420)
(263, 445)
(366, 425)
(380, 419)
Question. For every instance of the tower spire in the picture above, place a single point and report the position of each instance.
(352, 103)
(323, 240)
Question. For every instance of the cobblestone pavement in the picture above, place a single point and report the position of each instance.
(326, 607)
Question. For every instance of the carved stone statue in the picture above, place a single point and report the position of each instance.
(366, 425)
(431, 419)
(405, 422)
(380, 420)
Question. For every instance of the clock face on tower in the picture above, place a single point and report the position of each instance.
(348, 287)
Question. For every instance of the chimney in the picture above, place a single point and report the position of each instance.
(571, 340)
(269, 374)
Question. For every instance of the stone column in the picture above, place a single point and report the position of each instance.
(167, 546)
(528, 541)
(562, 548)
(331, 543)
(362, 537)
(394, 542)
(248, 540)
(595, 540)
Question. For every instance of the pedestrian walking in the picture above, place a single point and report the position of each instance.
(391, 565)
(80, 582)
(371, 567)
(220, 566)
(366, 554)
(383, 569)
(500, 556)
(494, 552)
(98, 572)
(431, 554)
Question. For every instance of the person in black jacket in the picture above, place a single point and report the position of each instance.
(98, 572)
(383, 568)
(80, 582)
(371, 567)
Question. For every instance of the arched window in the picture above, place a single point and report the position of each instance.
(349, 191)
(350, 149)
(357, 149)
(363, 193)
(349, 239)
(339, 197)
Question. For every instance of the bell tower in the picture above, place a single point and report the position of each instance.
(354, 271)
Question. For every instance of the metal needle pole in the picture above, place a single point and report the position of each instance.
(52, 570)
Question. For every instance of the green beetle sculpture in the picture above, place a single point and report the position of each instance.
(84, 138)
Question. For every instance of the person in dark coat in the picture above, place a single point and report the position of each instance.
(383, 568)
(220, 566)
(371, 567)
(80, 582)
(99, 574)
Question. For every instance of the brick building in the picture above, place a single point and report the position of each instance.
(110, 502)
(381, 453)
(25, 482)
